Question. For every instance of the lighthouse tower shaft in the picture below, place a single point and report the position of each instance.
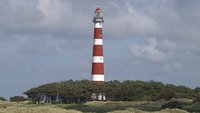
(98, 60)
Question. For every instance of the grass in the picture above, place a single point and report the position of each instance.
(133, 110)
(89, 107)
(10, 107)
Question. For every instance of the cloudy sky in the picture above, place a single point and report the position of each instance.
(44, 41)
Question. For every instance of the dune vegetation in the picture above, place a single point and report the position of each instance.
(89, 107)
(19, 107)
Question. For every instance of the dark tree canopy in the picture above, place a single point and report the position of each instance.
(2, 99)
(17, 99)
(70, 91)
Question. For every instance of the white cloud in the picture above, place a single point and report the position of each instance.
(150, 51)
(60, 17)
(69, 17)
(55, 12)
(129, 22)
(167, 45)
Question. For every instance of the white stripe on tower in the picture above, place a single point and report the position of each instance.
(98, 59)
(98, 25)
(98, 42)
(98, 77)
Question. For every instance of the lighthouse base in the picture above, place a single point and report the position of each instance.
(98, 97)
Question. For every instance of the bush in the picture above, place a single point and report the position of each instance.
(194, 108)
(167, 95)
(17, 99)
(172, 104)
(2, 99)
(197, 98)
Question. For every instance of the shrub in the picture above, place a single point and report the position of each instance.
(171, 104)
(195, 108)
(167, 95)
(197, 98)
(17, 99)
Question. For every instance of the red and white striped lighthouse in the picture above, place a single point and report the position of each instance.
(98, 60)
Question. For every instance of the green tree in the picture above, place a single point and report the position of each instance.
(2, 99)
(70, 91)
(17, 99)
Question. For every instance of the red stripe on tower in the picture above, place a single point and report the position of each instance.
(98, 61)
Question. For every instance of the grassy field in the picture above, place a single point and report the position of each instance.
(8, 107)
(90, 107)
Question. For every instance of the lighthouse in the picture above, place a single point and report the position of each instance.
(98, 60)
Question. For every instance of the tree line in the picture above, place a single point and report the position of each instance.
(70, 91)
(14, 99)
